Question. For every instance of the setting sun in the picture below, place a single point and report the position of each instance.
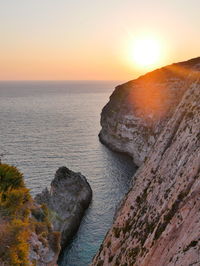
(146, 52)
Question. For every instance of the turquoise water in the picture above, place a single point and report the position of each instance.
(45, 125)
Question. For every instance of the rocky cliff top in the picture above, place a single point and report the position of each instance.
(139, 109)
(159, 219)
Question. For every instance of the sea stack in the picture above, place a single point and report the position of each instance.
(68, 198)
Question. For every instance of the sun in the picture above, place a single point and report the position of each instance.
(146, 52)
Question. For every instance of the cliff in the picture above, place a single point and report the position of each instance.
(158, 222)
(139, 109)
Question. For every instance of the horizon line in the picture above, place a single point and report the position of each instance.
(58, 80)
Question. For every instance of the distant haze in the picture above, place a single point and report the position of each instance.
(89, 40)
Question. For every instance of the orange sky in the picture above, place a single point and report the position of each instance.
(91, 40)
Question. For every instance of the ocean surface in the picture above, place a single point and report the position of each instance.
(45, 125)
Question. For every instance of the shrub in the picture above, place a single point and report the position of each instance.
(16, 223)
(40, 228)
(117, 232)
(10, 178)
(14, 201)
(14, 205)
(14, 243)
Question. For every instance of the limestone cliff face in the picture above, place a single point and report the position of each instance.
(67, 200)
(158, 222)
(139, 109)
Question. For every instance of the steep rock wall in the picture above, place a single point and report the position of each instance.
(158, 222)
(139, 109)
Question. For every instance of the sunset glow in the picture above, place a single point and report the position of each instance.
(146, 52)
(94, 40)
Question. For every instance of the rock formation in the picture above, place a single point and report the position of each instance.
(44, 243)
(68, 198)
(158, 222)
(139, 109)
(26, 234)
(32, 231)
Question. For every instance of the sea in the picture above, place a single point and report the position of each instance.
(48, 124)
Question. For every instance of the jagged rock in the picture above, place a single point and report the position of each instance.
(159, 219)
(139, 109)
(68, 198)
(41, 254)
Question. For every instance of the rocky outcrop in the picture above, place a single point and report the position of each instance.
(139, 109)
(44, 243)
(158, 222)
(26, 235)
(68, 198)
(32, 231)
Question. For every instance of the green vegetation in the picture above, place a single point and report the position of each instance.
(108, 244)
(19, 218)
(170, 214)
(142, 198)
(14, 216)
(117, 232)
(100, 263)
(110, 259)
(132, 253)
(10, 178)
(191, 245)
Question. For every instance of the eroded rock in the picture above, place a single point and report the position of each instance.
(67, 200)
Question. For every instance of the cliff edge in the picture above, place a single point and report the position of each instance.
(158, 222)
(139, 109)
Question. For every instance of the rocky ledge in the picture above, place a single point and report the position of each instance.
(68, 198)
(139, 109)
(26, 233)
(158, 222)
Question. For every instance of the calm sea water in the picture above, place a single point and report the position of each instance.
(45, 125)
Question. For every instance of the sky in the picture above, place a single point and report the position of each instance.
(92, 39)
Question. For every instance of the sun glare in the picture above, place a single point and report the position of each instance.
(146, 52)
